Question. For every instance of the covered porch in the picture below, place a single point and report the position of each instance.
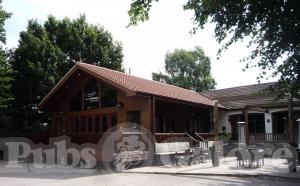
(264, 125)
(175, 122)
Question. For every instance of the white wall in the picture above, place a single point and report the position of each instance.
(268, 123)
(224, 116)
(223, 119)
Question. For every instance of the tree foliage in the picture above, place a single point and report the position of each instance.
(273, 27)
(187, 69)
(45, 53)
(5, 70)
(5, 80)
(5, 75)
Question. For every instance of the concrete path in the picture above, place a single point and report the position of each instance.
(133, 179)
(201, 174)
(228, 167)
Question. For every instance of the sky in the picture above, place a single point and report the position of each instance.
(145, 45)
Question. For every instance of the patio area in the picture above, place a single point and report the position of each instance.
(228, 167)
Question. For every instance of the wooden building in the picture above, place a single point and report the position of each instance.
(90, 100)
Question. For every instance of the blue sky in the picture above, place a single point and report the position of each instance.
(145, 45)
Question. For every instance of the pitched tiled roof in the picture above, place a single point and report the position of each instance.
(139, 85)
(250, 95)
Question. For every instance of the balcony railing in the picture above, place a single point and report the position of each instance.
(268, 137)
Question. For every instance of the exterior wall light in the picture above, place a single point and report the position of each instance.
(120, 105)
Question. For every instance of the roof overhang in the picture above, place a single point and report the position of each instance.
(76, 67)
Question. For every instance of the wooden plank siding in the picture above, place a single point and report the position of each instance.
(135, 103)
(130, 103)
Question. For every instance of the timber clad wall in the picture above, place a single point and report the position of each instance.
(91, 99)
(129, 103)
(135, 103)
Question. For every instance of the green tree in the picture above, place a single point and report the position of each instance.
(273, 27)
(5, 80)
(45, 53)
(5, 76)
(187, 69)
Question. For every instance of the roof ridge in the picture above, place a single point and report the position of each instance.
(239, 86)
(123, 73)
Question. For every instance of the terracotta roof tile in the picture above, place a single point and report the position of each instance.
(140, 85)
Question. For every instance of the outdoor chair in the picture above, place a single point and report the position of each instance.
(205, 155)
(243, 158)
(257, 158)
(185, 158)
(199, 155)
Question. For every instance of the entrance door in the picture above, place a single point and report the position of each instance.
(133, 119)
(234, 126)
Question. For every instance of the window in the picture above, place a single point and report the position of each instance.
(256, 123)
(104, 124)
(97, 128)
(133, 118)
(109, 97)
(113, 120)
(83, 125)
(73, 122)
(91, 95)
(59, 126)
(76, 102)
(77, 125)
(90, 124)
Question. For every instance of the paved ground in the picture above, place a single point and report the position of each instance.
(133, 179)
(228, 166)
(11, 175)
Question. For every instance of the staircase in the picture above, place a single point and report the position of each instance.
(203, 143)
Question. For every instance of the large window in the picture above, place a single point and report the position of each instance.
(92, 124)
(91, 95)
(133, 118)
(87, 98)
(280, 122)
(109, 97)
(256, 123)
(76, 102)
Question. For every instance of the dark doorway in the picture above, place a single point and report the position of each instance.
(133, 118)
(256, 123)
(233, 119)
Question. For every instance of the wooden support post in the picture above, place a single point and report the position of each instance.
(153, 116)
(99, 94)
(82, 98)
(290, 121)
(292, 160)
(153, 138)
(216, 120)
(215, 159)
(246, 115)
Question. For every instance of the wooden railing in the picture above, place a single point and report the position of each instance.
(198, 139)
(85, 138)
(171, 137)
(206, 136)
(203, 143)
(268, 137)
